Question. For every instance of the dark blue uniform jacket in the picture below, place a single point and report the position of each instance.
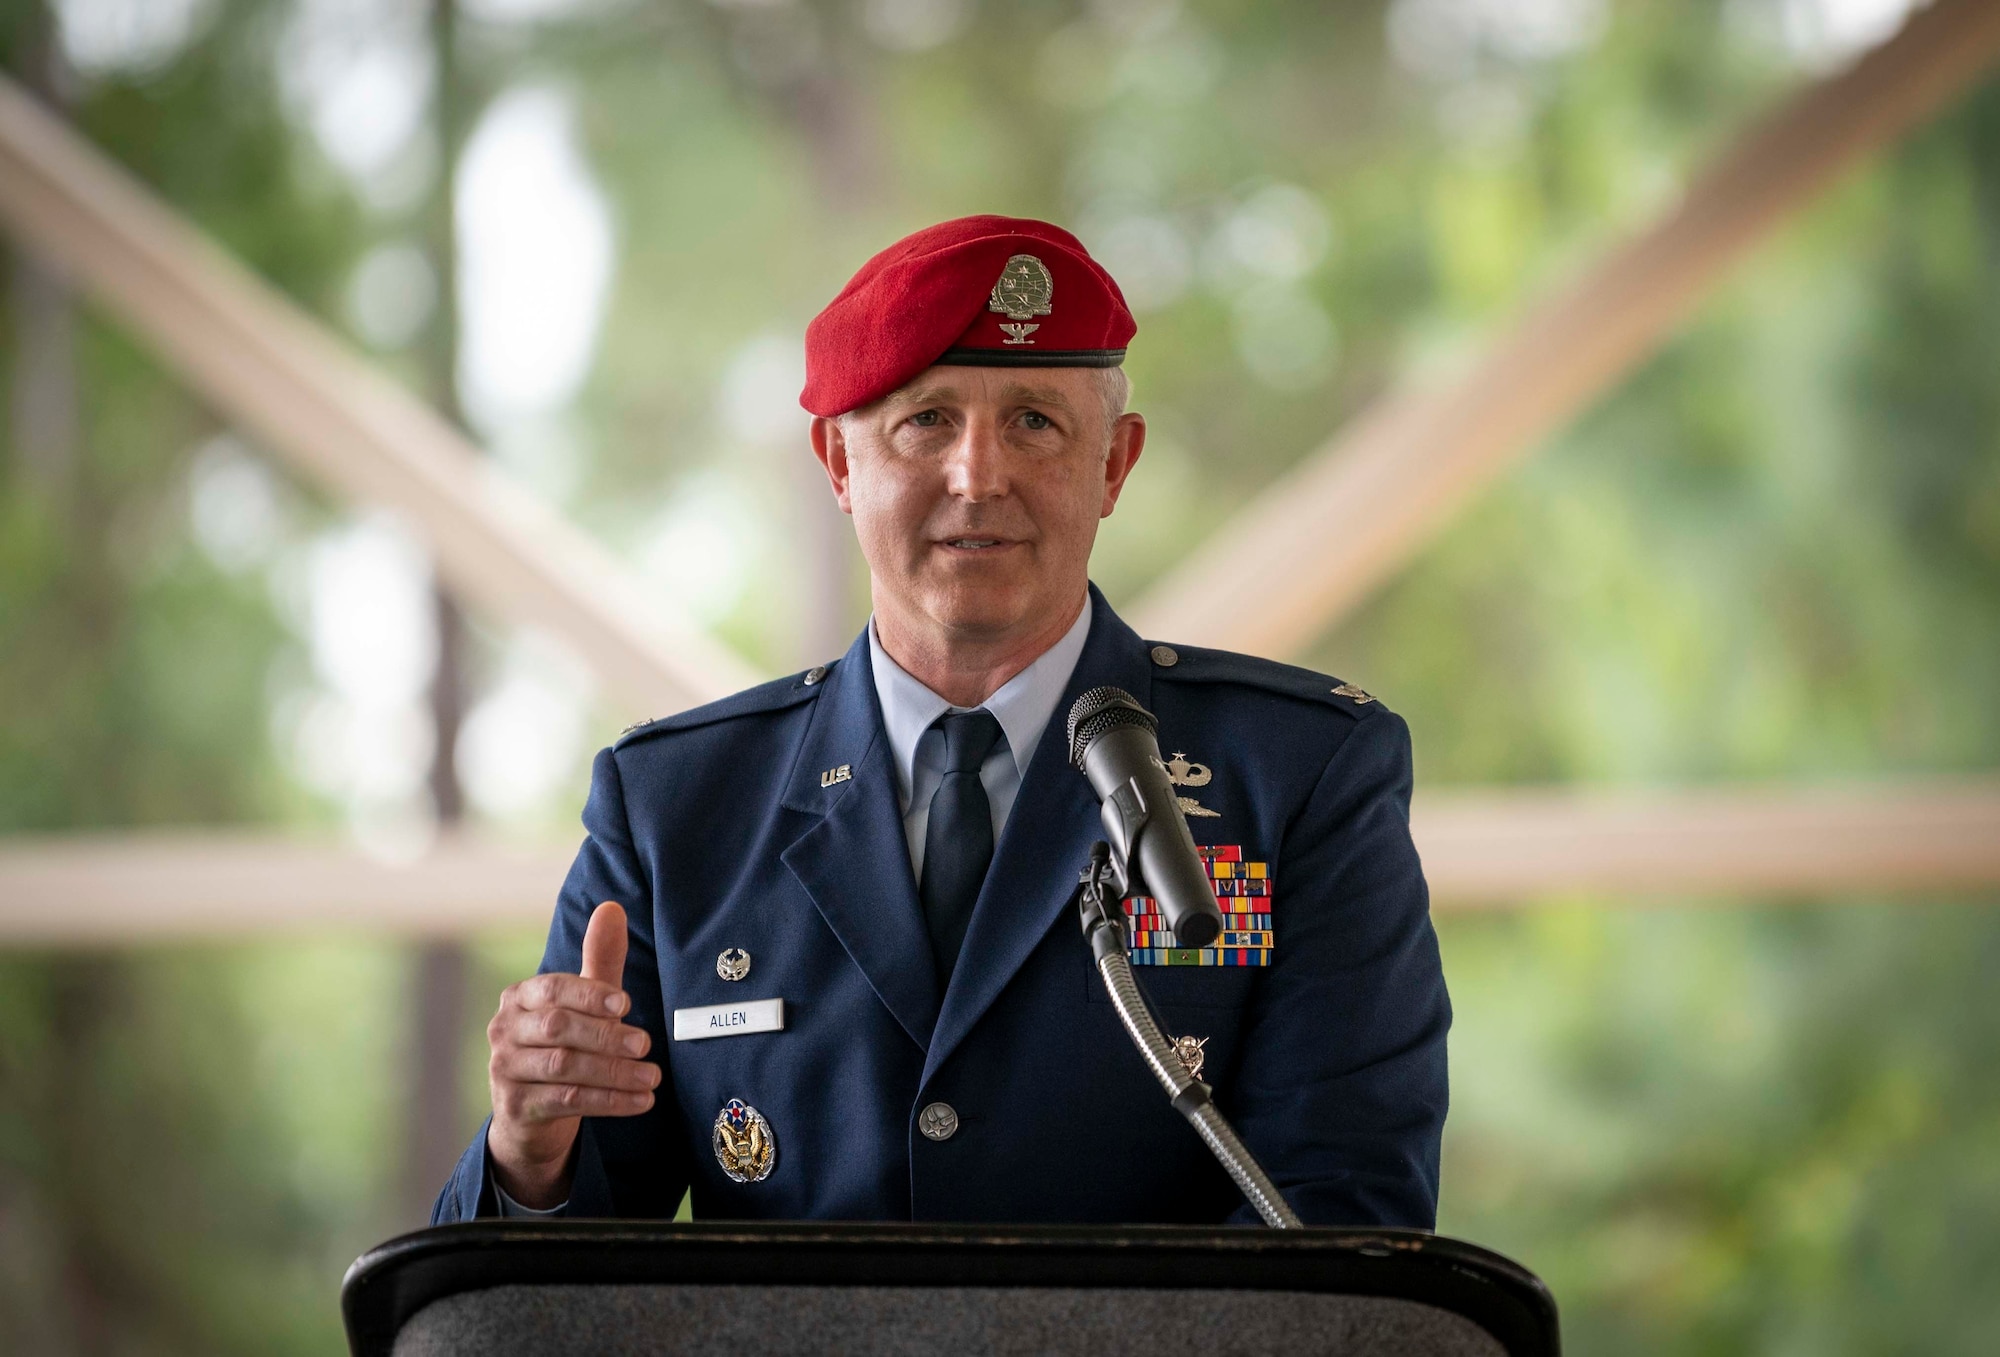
(715, 830)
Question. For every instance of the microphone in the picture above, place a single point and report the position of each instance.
(1113, 742)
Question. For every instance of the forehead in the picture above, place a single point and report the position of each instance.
(955, 385)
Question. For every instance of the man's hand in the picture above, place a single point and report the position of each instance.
(560, 1053)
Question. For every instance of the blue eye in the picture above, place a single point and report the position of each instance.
(1035, 419)
(925, 419)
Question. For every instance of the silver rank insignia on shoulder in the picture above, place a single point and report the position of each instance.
(1023, 291)
(1184, 774)
(744, 1144)
(1191, 1056)
(1361, 699)
(833, 776)
(733, 964)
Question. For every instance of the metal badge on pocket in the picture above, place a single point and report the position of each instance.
(745, 1145)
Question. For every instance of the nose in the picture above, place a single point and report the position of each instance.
(975, 466)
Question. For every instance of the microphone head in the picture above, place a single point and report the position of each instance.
(1101, 710)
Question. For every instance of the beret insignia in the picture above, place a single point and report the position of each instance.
(1024, 290)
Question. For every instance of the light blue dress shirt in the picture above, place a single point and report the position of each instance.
(1023, 706)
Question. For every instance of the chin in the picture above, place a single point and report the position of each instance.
(980, 607)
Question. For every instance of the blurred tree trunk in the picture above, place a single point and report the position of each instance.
(83, 993)
(832, 116)
(436, 1130)
(43, 408)
(42, 418)
(85, 1315)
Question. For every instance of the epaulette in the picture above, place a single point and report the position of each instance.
(776, 695)
(1193, 664)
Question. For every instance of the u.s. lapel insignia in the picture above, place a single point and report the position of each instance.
(733, 964)
(1184, 774)
(744, 1144)
(1192, 1057)
(834, 776)
(1023, 291)
(1361, 699)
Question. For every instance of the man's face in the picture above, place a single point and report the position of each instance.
(976, 493)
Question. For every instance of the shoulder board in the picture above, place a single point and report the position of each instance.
(1193, 664)
(776, 695)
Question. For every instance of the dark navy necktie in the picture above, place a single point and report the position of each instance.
(958, 840)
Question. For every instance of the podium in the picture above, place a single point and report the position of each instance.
(618, 1289)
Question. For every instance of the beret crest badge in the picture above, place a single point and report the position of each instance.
(1023, 291)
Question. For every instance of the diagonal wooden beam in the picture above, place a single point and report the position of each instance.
(1481, 849)
(294, 387)
(1333, 530)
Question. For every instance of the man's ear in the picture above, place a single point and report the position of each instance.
(1128, 440)
(829, 444)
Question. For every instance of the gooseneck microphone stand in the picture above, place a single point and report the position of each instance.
(1103, 894)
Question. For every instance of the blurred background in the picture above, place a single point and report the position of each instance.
(1734, 1116)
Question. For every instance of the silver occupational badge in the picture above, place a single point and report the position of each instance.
(1192, 1057)
(1184, 774)
(733, 964)
(744, 1145)
(1023, 291)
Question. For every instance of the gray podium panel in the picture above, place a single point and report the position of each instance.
(612, 1288)
(962, 1321)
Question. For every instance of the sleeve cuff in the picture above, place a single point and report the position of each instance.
(510, 1207)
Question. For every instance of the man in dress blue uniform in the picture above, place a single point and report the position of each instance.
(819, 954)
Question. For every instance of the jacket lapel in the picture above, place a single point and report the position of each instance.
(1044, 846)
(853, 859)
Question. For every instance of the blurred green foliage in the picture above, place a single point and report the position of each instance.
(1775, 552)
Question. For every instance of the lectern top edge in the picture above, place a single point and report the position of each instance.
(391, 1283)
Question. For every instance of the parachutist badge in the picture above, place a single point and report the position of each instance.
(1184, 774)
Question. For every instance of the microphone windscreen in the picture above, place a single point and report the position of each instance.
(1100, 710)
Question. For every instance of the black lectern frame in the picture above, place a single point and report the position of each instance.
(390, 1283)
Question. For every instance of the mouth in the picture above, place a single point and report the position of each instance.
(976, 545)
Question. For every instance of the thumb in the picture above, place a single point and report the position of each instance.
(604, 945)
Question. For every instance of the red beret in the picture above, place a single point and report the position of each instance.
(976, 292)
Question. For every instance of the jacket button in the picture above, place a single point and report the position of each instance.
(939, 1121)
(1166, 656)
(814, 675)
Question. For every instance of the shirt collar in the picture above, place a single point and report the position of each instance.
(1022, 705)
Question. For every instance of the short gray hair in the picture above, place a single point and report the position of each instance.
(1117, 389)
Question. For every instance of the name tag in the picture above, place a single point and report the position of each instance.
(729, 1020)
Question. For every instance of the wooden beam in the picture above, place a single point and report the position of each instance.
(1334, 529)
(138, 889)
(1503, 847)
(1481, 849)
(299, 391)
